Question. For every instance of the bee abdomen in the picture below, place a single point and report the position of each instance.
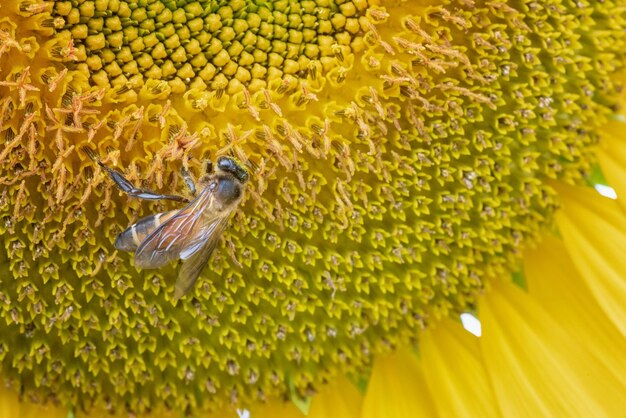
(134, 235)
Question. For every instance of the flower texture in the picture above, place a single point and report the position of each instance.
(403, 156)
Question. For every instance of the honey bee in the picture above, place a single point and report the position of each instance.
(189, 234)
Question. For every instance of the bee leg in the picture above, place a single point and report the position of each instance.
(127, 187)
(191, 185)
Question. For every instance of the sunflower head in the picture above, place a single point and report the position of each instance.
(398, 156)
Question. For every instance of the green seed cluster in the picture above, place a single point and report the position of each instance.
(215, 44)
(390, 181)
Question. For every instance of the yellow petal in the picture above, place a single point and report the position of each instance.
(594, 232)
(11, 407)
(341, 399)
(276, 409)
(553, 280)
(452, 360)
(536, 368)
(397, 389)
(612, 157)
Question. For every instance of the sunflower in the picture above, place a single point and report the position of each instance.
(411, 164)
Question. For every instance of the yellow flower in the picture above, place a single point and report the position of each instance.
(409, 163)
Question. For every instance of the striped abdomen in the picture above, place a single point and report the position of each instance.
(134, 235)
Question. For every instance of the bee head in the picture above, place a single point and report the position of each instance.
(232, 166)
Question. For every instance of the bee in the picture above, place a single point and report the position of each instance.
(189, 234)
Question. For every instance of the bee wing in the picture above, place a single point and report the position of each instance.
(196, 262)
(180, 236)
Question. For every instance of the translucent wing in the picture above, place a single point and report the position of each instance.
(193, 266)
(182, 235)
